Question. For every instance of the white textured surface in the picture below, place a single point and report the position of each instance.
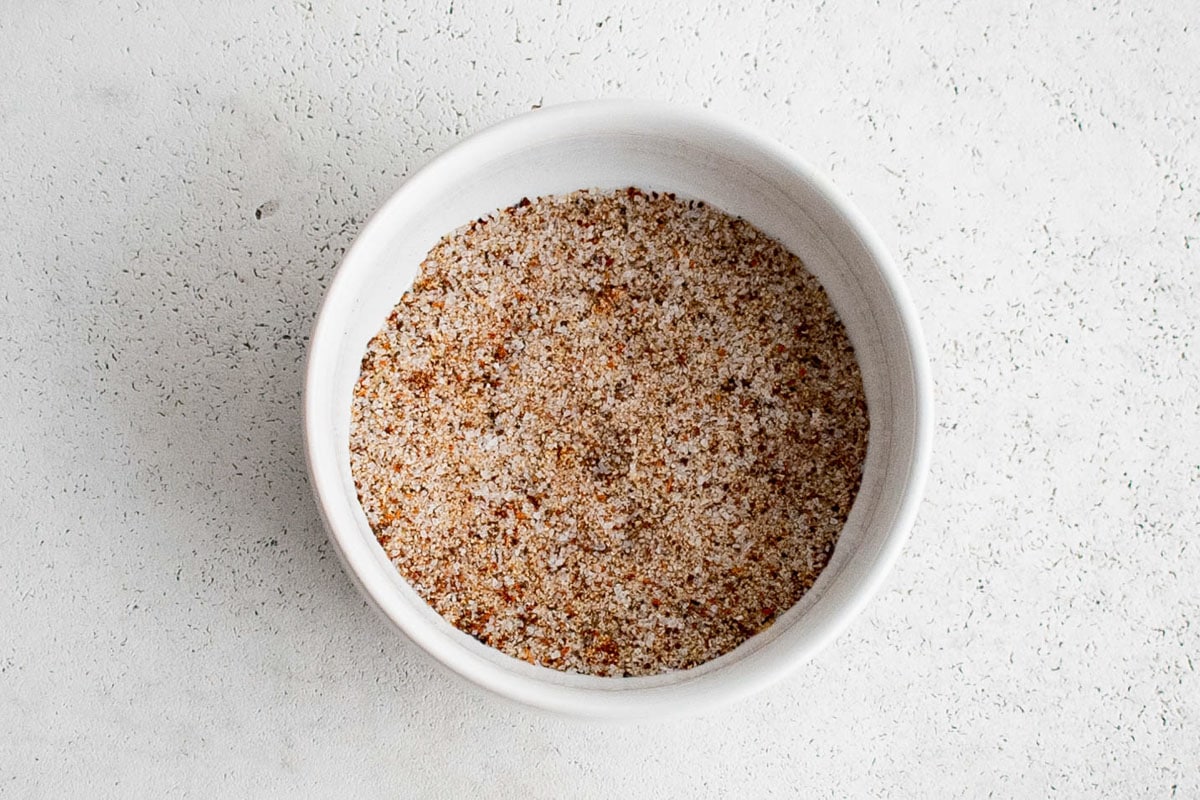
(175, 191)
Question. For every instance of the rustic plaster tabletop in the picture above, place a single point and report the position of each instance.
(177, 186)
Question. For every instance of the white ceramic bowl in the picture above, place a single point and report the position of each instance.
(609, 145)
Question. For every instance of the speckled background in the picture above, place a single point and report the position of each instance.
(177, 187)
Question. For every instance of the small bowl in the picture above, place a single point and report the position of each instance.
(609, 145)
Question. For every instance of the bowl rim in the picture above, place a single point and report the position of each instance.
(685, 696)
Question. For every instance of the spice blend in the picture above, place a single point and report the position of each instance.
(610, 433)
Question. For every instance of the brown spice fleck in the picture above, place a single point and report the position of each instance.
(614, 433)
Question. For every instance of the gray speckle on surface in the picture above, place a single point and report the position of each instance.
(177, 186)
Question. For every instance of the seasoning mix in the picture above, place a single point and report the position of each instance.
(611, 433)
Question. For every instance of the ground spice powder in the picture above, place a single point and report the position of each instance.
(610, 433)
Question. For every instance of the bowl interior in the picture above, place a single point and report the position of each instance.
(609, 146)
